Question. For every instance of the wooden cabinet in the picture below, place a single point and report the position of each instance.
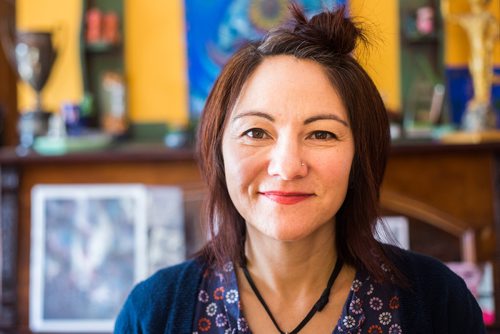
(155, 165)
(462, 181)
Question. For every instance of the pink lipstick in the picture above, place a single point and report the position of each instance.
(286, 198)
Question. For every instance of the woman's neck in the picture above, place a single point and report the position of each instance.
(291, 269)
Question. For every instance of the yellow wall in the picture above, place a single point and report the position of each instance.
(155, 53)
(382, 60)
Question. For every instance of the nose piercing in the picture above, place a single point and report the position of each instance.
(302, 163)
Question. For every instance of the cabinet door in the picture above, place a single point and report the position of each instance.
(102, 57)
(422, 74)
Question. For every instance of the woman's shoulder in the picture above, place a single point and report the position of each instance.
(423, 269)
(161, 300)
(167, 278)
(437, 299)
(168, 283)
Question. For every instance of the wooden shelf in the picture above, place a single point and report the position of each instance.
(103, 47)
(151, 152)
(117, 153)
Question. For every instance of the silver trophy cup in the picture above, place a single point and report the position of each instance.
(32, 54)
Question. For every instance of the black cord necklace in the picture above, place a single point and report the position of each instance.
(317, 307)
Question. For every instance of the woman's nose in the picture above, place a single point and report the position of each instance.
(286, 161)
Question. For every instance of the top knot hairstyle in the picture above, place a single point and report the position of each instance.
(301, 37)
(328, 38)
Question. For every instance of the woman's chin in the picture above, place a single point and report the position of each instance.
(289, 233)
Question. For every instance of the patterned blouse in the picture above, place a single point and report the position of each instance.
(371, 307)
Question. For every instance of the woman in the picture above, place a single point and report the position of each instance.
(293, 144)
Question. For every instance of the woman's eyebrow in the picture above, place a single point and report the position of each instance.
(254, 113)
(307, 121)
(326, 117)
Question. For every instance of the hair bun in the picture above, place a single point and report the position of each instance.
(330, 28)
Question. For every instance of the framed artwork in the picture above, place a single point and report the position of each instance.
(217, 28)
(91, 244)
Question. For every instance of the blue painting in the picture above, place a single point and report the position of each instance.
(217, 28)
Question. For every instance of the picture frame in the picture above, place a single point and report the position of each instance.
(91, 244)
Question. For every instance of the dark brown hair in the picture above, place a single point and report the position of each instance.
(329, 38)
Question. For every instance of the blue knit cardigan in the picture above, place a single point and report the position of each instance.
(437, 302)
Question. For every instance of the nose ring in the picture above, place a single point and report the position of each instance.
(302, 163)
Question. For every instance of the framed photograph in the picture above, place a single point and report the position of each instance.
(91, 244)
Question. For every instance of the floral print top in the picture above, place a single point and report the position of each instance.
(371, 307)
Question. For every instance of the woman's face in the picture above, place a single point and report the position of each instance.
(288, 149)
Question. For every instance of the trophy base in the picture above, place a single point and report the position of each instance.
(32, 124)
(478, 117)
(473, 137)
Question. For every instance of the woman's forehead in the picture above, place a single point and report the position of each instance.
(288, 86)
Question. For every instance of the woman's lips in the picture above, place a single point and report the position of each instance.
(286, 197)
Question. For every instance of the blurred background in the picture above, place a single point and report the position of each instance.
(99, 102)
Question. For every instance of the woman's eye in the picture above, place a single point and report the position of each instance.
(323, 135)
(255, 133)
